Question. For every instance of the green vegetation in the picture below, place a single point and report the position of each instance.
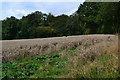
(86, 45)
(90, 18)
(62, 64)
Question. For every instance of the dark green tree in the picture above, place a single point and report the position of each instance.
(108, 17)
(87, 13)
(9, 28)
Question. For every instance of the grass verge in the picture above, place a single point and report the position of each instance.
(62, 64)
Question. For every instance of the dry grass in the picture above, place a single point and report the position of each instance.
(99, 55)
(95, 62)
(88, 58)
(16, 49)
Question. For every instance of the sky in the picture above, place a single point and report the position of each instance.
(19, 9)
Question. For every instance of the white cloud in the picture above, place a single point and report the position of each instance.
(57, 8)
(17, 13)
(19, 9)
(59, 0)
(0, 10)
(71, 12)
(43, 0)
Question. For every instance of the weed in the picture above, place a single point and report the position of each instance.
(86, 45)
(55, 65)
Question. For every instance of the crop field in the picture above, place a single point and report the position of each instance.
(93, 56)
(11, 49)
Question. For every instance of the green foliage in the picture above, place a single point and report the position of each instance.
(61, 64)
(86, 45)
(87, 13)
(9, 28)
(101, 67)
(43, 32)
(90, 18)
(108, 17)
(34, 66)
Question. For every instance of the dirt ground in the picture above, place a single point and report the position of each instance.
(15, 49)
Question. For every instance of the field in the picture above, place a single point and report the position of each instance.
(94, 57)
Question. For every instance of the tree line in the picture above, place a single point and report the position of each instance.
(90, 18)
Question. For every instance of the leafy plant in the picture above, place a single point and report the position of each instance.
(61, 64)
(86, 45)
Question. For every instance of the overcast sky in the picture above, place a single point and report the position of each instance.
(19, 9)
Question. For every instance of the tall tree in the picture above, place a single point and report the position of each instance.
(87, 13)
(9, 28)
(109, 17)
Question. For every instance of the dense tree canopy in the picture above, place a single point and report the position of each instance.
(90, 18)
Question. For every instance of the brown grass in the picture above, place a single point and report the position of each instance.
(16, 49)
